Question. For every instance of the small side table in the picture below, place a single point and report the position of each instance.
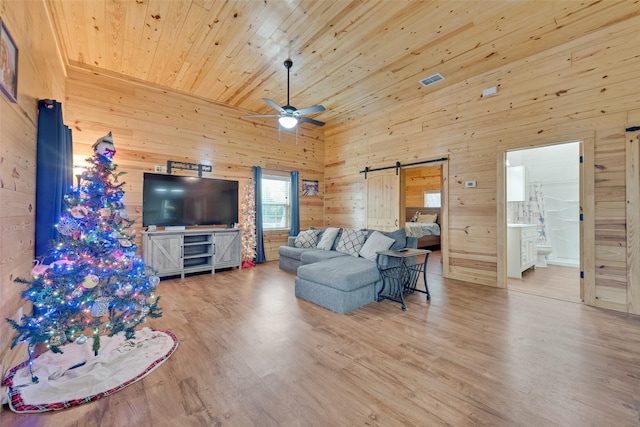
(402, 279)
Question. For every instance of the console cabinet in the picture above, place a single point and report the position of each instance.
(522, 251)
(173, 252)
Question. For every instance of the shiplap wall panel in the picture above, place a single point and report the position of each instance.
(40, 76)
(418, 180)
(583, 87)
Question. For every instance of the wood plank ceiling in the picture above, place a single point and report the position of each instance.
(353, 57)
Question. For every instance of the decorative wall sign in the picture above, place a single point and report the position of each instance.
(8, 64)
(188, 166)
(309, 188)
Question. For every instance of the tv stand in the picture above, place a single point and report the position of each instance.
(173, 252)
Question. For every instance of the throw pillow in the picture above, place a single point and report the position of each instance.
(328, 237)
(375, 243)
(307, 239)
(399, 236)
(351, 241)
(428, 218)
(415, 217)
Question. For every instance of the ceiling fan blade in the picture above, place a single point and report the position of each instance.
(273, 104)
(310, 110)
(262, 115)
(312, 121)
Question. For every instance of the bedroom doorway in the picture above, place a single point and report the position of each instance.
(543, 210)
(387, 195)
(423, 200)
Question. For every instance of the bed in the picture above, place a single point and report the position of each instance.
(427, 232)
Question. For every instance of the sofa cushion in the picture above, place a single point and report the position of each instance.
(344, 273)
(315, 255)
(328, 237)
(307, 239)
(375, 242)
(351, 241)
(291, 252)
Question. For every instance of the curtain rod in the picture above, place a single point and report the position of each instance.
(399, 165)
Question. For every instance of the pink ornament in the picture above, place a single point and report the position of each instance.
(39, 268)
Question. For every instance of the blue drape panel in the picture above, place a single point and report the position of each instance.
(295, 205)
(257, 177)
(54, 172)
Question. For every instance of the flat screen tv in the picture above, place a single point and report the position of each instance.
(170, 200)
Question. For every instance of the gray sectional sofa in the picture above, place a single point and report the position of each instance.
(337, 275)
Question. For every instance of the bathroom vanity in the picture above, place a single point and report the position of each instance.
(521, 249)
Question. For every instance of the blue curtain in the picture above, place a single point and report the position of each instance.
(257, 177)
(295, 205)
(54, 172)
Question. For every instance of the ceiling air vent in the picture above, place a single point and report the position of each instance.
(432, 79)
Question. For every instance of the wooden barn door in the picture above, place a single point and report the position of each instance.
(385, 203)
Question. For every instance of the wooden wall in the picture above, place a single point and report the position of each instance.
(418, 180)
(584, 89)
(40, 76)
(151, 125)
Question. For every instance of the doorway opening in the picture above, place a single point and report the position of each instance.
(543, 206)
(422, 218)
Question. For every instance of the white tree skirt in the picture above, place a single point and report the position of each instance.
(118, 364)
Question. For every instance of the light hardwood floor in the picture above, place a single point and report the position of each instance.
(553, 281)
(251, 354)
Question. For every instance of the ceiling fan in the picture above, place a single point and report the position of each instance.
(290, 116)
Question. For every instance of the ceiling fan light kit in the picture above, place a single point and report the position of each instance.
(288, 122)
(290, 116)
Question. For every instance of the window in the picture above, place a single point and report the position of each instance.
(276, 201)
(432, 199)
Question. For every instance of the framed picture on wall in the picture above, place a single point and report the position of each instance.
(8, 64)
(309, 187)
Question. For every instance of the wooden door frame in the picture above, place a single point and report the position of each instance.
(444, 219)
(587, 210)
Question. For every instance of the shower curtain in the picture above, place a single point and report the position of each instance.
(532, 211)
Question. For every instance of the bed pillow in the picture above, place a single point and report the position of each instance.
(428, 218)
(307, 239)
(328, 237)
(351, 241)
(375, 243)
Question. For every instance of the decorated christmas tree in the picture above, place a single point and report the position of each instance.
(249, 225)
(94, 283)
